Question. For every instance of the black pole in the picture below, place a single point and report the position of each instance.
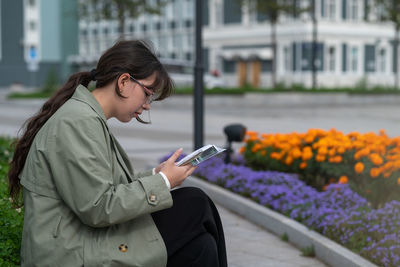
(198, 80)
(314, 46)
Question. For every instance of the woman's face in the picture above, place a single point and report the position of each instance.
(137, 97)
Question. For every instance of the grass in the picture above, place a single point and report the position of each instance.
(30, 95)
(308, 251)
(285, 237)
(295, 88)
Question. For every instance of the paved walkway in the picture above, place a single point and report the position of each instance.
(249, 245)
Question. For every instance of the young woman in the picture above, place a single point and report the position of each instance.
(84, 205)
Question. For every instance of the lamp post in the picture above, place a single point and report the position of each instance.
(234, 133)
(198, 80)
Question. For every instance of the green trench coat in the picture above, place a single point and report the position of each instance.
(83, 204)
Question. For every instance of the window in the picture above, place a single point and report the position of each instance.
(332, 9)
(32, 2)
(382, 60)
(32, 25)
(229, 66)
(188, 56)
(188, 23)
(369, 58)
(144, 27)
(105, 31)
(354, 9)
(286, 57)
(172, 24)
(332, 59)
(232, 12)
(131, 28)
(158, 25)
(84, 33)
(266, 65)
(354, 59)
(205, 16)
(307, 56)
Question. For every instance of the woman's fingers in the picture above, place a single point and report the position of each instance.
(176, 155)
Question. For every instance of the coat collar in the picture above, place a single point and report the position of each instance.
(83, 94)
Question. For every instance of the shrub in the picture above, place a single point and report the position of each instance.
(51, 83)
(11, 219)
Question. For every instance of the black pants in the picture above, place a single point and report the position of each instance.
(192, 230)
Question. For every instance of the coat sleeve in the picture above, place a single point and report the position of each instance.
(79, 158)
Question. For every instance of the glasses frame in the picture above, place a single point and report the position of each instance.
(148, 92)
(149, 98)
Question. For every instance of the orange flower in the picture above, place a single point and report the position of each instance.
(242, 150)
(288, 160)
(324, 187)
(309, 139)
(275, 155)
(374, 172)
(322, 150)
(303, 165)
(251, 133)
(255, 148)
(376, 159)
(398, 181)
(320, 158)
(359, 167)
(337, 159)
(343, 179)
(296, 153)
(341, 150)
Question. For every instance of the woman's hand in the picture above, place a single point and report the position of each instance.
(175, 174)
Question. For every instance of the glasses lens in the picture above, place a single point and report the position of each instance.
(144, 117)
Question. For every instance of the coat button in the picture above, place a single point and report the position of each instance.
(152, 198)
(123, 248)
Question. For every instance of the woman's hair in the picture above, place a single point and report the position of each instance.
(134, 57)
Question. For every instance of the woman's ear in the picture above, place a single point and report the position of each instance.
(123, 81)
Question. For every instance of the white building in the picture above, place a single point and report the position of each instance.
(237, 42)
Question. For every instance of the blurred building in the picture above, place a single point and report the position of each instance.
(353, 46)
(37, 37)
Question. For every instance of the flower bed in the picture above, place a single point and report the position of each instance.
(338, 212)
(369, 162)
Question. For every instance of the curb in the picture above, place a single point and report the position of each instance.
(325, 249)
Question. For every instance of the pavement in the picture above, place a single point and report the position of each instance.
(247, 244)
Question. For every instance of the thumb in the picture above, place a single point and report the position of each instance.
(176, 155)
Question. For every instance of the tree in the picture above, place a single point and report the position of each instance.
(120, 10)
(272, 10)
(390, 11)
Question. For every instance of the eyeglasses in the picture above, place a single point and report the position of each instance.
(149, 93)
(149, 99)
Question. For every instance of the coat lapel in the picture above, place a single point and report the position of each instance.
(84, 95)
(122, 158)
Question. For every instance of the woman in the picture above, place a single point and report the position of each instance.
(84, 205)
